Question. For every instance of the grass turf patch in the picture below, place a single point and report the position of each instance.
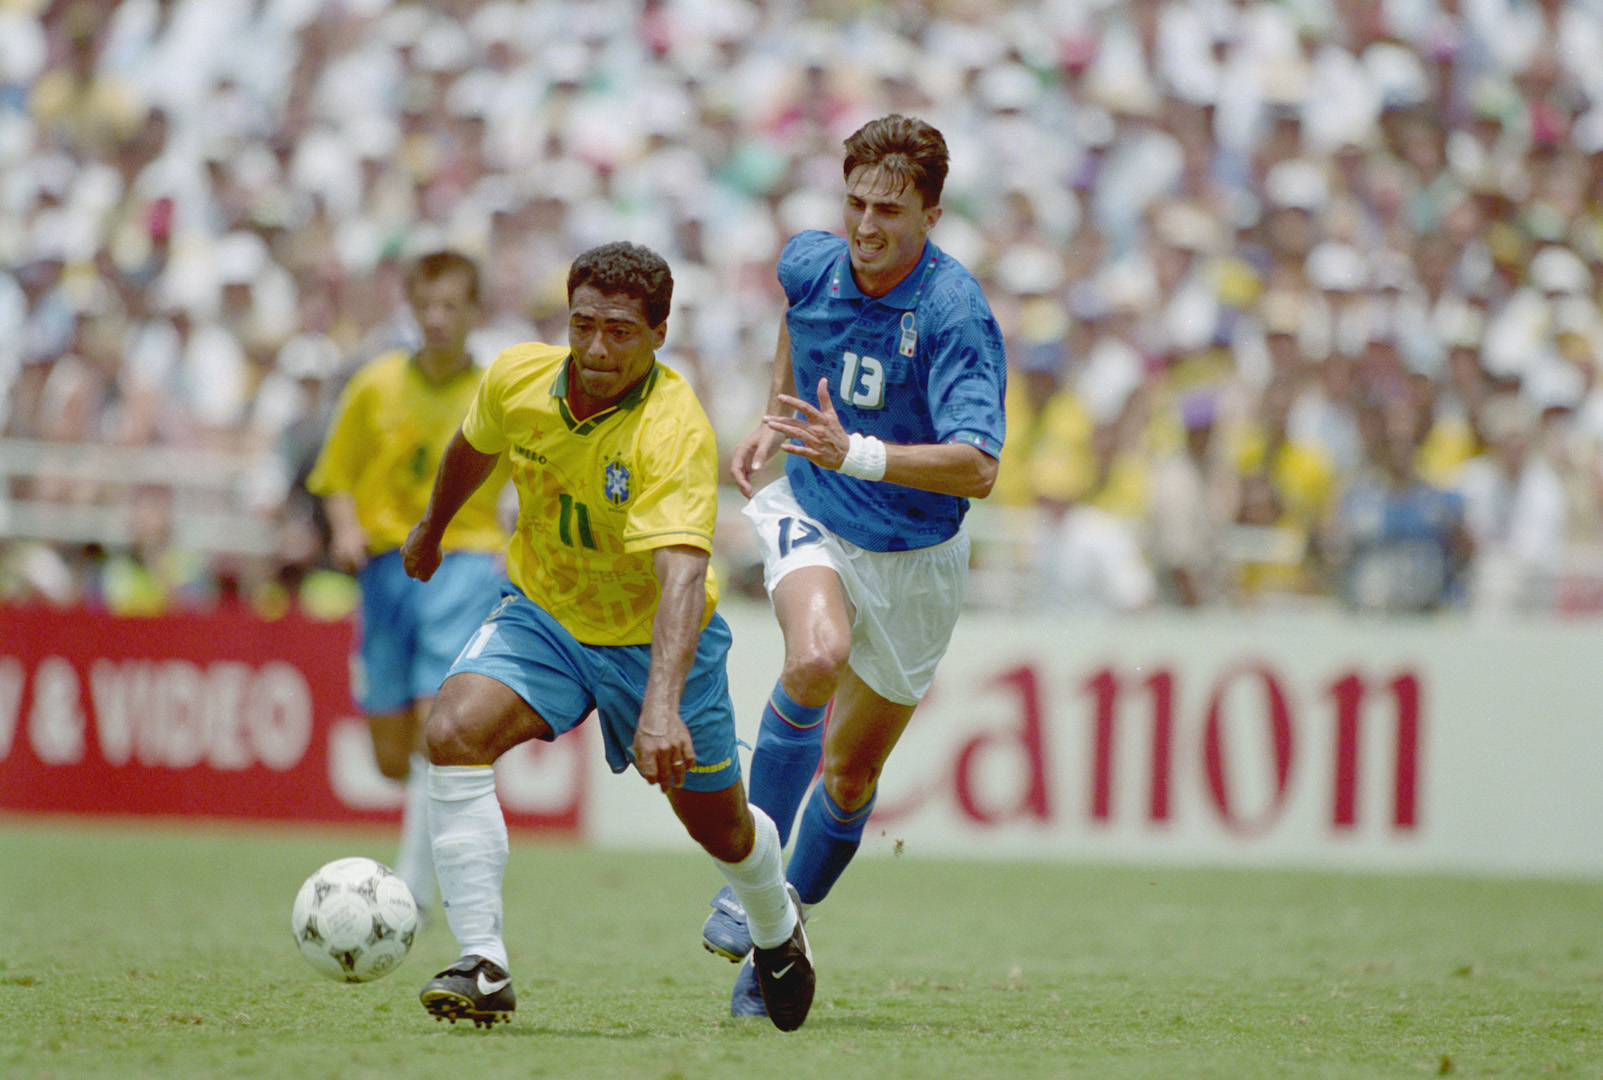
(133, 950)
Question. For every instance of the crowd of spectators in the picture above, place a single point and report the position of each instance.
(1301, 296)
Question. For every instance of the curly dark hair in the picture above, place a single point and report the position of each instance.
(626, 269)
(905, 149)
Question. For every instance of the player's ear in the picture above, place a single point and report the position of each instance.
(659, 334)
(932, 214)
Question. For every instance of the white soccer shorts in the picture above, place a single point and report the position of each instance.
(904, 603)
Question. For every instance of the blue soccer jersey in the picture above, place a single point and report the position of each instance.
(922, 364)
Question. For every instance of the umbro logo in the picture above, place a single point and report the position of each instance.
(490, 986)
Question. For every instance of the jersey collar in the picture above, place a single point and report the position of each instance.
(843, 286)
(637, 393)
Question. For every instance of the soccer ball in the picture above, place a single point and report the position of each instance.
(354, 920)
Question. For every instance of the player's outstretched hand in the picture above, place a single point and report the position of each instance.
(751, 454)
(420, 555)
(818, 436)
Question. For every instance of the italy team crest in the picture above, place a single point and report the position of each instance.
(616, 487)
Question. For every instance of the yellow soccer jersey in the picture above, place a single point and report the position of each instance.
(595, 497)
(384, 446)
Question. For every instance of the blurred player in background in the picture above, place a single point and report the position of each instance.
(393, 422)
(612, 608)
(890, 355)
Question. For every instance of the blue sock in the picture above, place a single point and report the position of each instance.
(825, 844)
(789, 744)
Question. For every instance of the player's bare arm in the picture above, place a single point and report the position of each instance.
(347, 544)
(754, 451)
(663, 748)
(944, 468)
(462, 471)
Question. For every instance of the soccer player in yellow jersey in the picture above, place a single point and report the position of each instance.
(394, 419)
(611, 608)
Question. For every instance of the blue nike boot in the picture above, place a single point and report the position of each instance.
(724, 932)
(747, 998)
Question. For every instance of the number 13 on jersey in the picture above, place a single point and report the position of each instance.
(862, 381)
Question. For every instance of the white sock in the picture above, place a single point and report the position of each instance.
(759, 881)
(415, 863)
(470, 855)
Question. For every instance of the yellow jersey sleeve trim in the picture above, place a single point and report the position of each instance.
(668, 538)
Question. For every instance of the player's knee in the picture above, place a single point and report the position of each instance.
(849, 784)
(813, 669)
(394, 760)
(454, 736)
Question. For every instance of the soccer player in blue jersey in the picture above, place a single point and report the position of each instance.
(886, 395)
(612, 607)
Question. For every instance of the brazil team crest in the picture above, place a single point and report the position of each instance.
(616, 487)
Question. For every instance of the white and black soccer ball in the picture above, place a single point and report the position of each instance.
(354, 920)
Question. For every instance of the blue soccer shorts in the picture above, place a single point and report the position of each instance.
(523, 647)
(412, 630)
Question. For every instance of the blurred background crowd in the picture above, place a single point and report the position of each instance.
(1301, 296)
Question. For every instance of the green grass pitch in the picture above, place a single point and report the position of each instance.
(132, 950)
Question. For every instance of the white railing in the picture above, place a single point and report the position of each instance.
(73, 493)
(82, 493)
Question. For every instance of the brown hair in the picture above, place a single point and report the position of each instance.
(903, 149)
(437, 264)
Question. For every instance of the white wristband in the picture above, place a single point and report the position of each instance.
(865, 458)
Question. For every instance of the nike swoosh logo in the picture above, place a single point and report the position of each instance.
(490, 986)
(779, 973)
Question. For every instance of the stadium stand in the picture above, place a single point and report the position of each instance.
(1243, 250)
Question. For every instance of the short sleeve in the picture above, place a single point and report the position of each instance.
(483, 427)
